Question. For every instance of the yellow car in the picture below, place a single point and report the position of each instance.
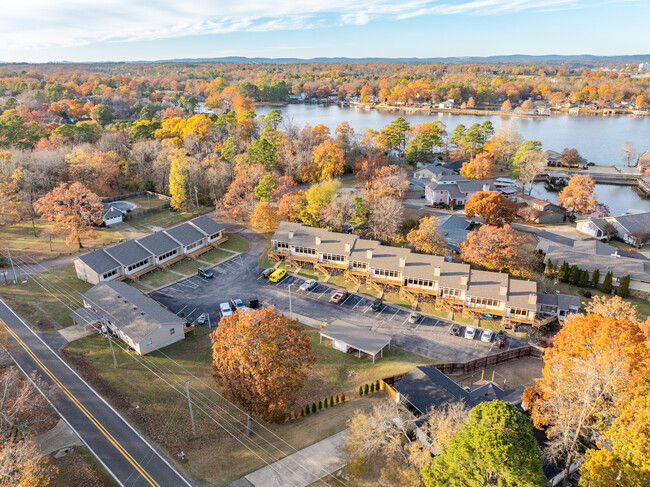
(277, 275)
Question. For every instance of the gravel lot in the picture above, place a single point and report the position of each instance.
(241, 278)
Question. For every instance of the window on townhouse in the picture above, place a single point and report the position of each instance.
(304, 250)
(484, 303)
(172, 331)
(448, 292)
(386, 273)
(282, 245)
(109, 274)
(411, 281)
(333, 258)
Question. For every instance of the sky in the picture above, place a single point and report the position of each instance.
(140, 30)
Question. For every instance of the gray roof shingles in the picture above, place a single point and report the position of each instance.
(128, 253)
(158, 243)
(99, 261)
(207, 225)
(185, 234)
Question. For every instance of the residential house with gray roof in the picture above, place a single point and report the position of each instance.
(631, 228)
(164, 248)
(210, 228)
(133, 258)
(136, 319)
(191, 238)
(97, 266)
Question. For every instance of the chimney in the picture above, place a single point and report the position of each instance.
(436, 271)
(369, 254)
(532, 298)
(486, 187)
(291, 234)
(402, 262)
(317, 240)
(503, 290)
(464, 280)
(347, 247)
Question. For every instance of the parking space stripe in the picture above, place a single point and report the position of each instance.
(396, 311)
(346, 298)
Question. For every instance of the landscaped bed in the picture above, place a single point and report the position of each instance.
(216, 457)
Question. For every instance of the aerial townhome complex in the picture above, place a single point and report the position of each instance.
(159, 250)
(416, 276)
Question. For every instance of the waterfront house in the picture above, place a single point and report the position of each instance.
(430, 171)
(134, 318)
(538, 210)
(643, 163)
(631, 228)
(455, 190)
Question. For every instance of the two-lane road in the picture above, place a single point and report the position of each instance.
(130, 459)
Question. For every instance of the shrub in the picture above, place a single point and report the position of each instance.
(331, 401)
(295, 415)
(313, 407)
(308, 411)
(583, 281)
(302, 412)
(336, 400)
(361, 390)
(606, 286)
(320, 405)
(563, 274)
(366, 389)
(624, 287)
(377, 388)
(325, 403)
(574, 275)
(550, 268)
(343, 396)
(595, 277)
(372, 387)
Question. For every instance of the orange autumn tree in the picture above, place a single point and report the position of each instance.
(328, 162)
(494, 208)
(592, 365)
(73, 209)
(495, 249)
(578, 195)
(265, 217)
(481, 166)
(260, 360)
(427, 238)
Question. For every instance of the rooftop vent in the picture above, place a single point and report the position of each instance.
(291, 234)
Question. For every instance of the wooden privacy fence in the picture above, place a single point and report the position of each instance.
(120, 197)
(452, 368)
(146, 211)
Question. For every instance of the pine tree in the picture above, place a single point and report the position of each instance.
(563, 275)
(606, 286)
(313, 407)
(550, 268)
(361, 390)
(372, 387)
(331, 401)
(308, 410)
(624, 287)
(337, 398)
(320, 405)
(366, 389)
(574, 275)
(583, 281)
(595, 277)
(377, 388)
(325, 403)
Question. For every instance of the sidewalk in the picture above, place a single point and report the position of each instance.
(303, 467)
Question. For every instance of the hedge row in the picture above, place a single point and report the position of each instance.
(315, 407)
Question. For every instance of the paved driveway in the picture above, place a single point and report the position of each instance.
(240, 278)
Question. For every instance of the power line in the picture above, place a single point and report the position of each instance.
(160, 371)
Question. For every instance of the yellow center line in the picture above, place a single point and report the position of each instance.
(83, 409)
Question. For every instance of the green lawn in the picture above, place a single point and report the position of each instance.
(395, 299)
(163, 413)
(185, 267)
(236, 243)
(157, 278)
(55, 292)
(146, 201)
(264, 261)
(21, 241)
(215, 256)
(163, 219)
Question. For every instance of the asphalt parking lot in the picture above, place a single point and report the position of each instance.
(241, 278)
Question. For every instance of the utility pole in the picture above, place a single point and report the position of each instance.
(12, 265)
(189, 402)
(110, 342)
(290, 314)
(196, 194)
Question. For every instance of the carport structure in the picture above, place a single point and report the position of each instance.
(346, 336)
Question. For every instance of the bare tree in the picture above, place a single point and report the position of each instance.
(339, 211)
(532, 164)
(385, 217)
(630, 154)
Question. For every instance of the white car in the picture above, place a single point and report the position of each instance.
(225, 309)
(470, 332)
(308, 285)
(488, 336)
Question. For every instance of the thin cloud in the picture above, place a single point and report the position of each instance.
(40, 24)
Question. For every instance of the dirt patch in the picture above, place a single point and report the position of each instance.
(76, 469)
(521, 372)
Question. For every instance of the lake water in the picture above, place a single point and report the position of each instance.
(620, 199)
(596, 138)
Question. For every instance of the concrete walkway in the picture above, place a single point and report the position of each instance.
(58, 438)
(75, 332)
(303, 467)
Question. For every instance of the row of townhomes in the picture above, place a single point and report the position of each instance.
(417, 276)
(134, 258)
